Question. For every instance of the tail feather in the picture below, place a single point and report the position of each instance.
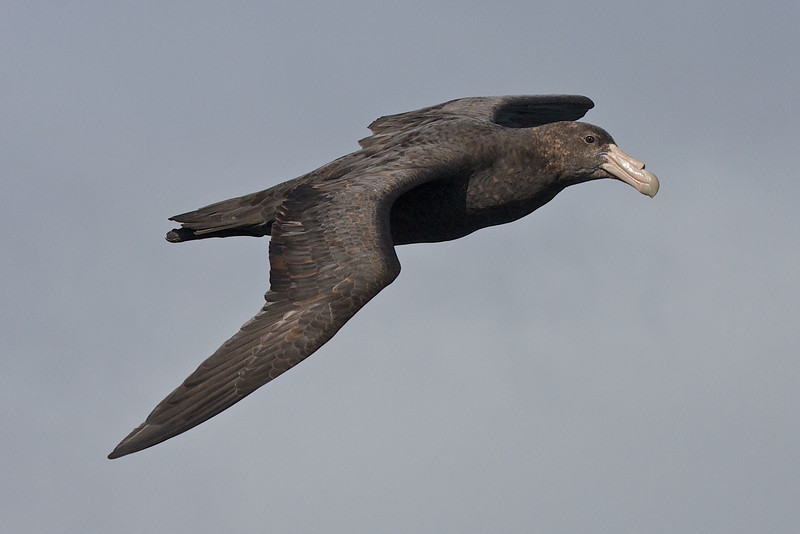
(248, 215)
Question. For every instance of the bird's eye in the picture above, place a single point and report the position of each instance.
(589, 139)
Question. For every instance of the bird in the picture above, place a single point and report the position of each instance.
(430, 175)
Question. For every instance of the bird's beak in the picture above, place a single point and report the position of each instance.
(629, 170)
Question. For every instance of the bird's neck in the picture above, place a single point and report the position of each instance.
(516, 183)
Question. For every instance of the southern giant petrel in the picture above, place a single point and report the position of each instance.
(430, 175)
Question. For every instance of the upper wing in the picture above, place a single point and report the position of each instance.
(509, 111)
(330, 252)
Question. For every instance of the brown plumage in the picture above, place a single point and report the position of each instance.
(429, 175)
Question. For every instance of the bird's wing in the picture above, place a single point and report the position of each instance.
(330, 252)
(509, 111)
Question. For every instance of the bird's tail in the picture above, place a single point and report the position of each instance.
(248, 215)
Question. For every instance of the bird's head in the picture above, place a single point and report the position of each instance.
(580, 152)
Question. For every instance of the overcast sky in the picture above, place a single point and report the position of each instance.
(611, 363)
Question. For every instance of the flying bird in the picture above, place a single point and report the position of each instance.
(435, 174)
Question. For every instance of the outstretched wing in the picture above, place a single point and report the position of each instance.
(330, 252)
(509, 111)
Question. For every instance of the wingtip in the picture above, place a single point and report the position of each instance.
(142, 437)
(123, 449)
(126, 446)
(586, 101)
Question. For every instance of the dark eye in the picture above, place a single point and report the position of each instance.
(589, 139)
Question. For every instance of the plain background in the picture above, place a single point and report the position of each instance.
(610, 363)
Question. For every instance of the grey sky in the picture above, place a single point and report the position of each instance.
(610, 363)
